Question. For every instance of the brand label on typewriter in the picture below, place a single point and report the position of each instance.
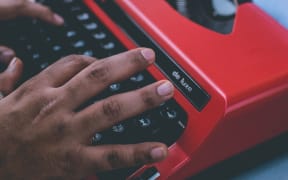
(190, 88)
(182, 81)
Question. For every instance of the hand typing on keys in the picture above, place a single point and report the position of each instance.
(43, 132)
(46, 137)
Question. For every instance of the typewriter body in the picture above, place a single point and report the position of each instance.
(232, 88)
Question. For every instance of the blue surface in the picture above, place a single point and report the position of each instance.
(275, 169)
(272, 170)
(268, 161)
(276, 8)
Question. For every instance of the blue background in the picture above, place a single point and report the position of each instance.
(267, 161)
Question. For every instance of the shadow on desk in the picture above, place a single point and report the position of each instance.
(268, 161)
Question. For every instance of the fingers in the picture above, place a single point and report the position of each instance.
(108, 157)
(6, 55)
(100, 74)
(110, 111)
(39, 11)
(63, 70)
(10, 76)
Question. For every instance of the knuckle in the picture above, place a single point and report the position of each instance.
(68, 162)
(74, 61)
(79, 61)
(114, 159)
(148, 98)
(25, 89)
(100, 72)
(71, 91)
(112, 109)
(47, 98)
(71, 162)
(47, 105)
(46, 10)
(60, 128)
(136, 58)
(142, 158)
(71, 57)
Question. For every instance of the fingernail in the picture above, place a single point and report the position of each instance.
(165, 89)
(7, 53)
(158, 154)
(59, 20)
(148, 54)
(12, 64)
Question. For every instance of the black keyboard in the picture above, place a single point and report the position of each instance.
(39, 45)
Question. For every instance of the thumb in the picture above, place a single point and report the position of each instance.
(6, 55)
(10, 76)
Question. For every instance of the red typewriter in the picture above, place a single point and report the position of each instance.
(230, 73)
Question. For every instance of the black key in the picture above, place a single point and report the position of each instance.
(83, 16)
(57, 48)
(108, 46)
(71, 33)
(143, 122)
(137, 78)
(115, 87)
(36, 56)
(91, 26)
(117, 129)
(97, 139)
(99, 35)
(79, 44)
(44, 65)
(88, 53)
(169, 113)
(75, 9)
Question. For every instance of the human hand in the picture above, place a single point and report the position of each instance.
(12, 73)
(44, 137)
(10, 9)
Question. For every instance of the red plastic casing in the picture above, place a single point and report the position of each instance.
(245, 73)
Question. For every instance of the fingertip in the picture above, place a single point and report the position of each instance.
(9, 54)
(15, 68)
(19, 65)
(58, 20)
(6, 55)
(148, 54)
(12, 75)
(165, 89)
(12, 65)
(158, 153)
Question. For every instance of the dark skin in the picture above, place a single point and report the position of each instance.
(43, 137)
(46, 138)
(10, 9)
(12, 73)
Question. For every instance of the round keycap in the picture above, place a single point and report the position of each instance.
(168, 113)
